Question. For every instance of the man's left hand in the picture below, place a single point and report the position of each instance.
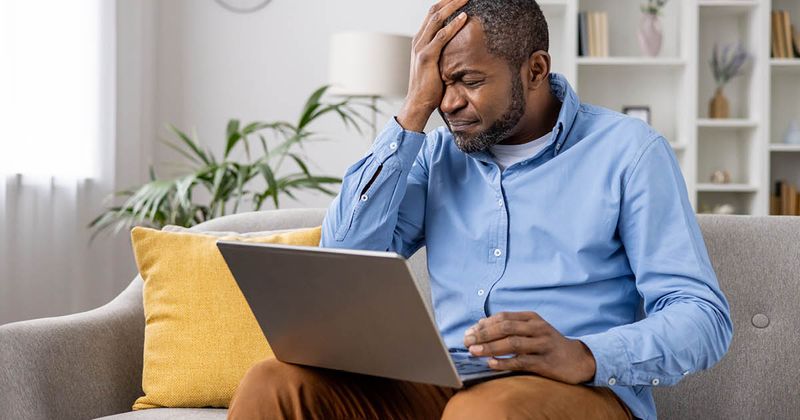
(534, 344)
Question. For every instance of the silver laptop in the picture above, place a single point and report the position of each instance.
(355, 311)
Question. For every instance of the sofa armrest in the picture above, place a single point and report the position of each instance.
(83, 365)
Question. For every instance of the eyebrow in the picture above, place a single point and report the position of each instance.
(461, 73)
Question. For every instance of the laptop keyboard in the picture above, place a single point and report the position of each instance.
(467, 365)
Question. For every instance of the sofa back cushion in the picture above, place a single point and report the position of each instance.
(757, 261)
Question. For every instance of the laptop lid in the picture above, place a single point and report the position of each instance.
(356, 311)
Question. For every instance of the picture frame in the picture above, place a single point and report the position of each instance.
(641, 112)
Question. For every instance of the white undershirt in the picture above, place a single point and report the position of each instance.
(508, 154)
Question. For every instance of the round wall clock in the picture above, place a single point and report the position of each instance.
(243, 6)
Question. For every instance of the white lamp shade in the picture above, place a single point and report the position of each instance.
(369, 64)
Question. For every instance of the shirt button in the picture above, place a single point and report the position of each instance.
(393, 145)
(655, 382)
(364, 197)
(480, 292)
(612, 381)
(498, 252)
(500, 203)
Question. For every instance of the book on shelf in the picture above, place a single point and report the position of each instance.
(785, 200)
(785, 40)
(593, 34)
(583, 36)
(796, 38)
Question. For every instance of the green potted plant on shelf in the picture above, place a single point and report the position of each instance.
(726, 64)
(228, 183)
(650, 32)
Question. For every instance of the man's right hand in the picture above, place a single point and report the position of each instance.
(425, 88)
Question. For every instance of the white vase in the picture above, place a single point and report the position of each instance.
(650, 34)
(792, 135)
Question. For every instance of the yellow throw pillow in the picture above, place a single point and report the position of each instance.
(200, 335)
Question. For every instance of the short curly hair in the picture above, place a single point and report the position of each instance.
(514, 29)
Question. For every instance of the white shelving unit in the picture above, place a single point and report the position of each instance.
(678, 85)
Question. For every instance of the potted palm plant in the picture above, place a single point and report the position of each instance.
(227, 183)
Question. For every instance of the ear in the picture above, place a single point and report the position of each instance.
(538, 69)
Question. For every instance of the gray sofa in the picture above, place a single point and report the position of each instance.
(88, 365)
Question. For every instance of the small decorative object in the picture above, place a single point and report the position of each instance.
(724, 209)
(243, 6)
(792, 135)
(650, 32)
(725, 65)
(639, 111)
(721, 177)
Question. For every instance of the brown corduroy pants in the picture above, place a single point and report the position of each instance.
(275, 390)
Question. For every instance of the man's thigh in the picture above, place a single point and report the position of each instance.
(272, 390)
(534, 397)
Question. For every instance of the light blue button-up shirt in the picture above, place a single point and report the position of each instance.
(595, 233)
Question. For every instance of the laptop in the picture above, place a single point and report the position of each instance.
(349, 310)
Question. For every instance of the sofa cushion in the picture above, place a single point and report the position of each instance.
(172, 414)
(200, 335)
(757, 261)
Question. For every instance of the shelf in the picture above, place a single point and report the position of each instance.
(785, 65)
(726, 7)
(728, 3)
(726, 123)
(632, 61)
(779, 147)
(785, 62)
(709, 187)
(678, 147)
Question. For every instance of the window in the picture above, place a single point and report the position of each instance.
(51, 54)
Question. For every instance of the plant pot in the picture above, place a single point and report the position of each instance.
(650, 34)
(718, 107)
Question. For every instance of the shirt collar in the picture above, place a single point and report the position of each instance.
(562, 90)
(569, 109)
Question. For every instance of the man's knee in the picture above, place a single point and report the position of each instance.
(475, 403)
(534, 397)
(273, 374)
(271, 387)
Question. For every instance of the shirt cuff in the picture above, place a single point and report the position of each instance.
(393, 139)
(611, 359)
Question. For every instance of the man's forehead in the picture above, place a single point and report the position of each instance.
(466, 51)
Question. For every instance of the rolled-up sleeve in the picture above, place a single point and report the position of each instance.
(687, 325)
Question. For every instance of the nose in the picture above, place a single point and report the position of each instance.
(452, 100)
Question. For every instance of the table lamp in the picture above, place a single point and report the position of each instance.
(370, 65)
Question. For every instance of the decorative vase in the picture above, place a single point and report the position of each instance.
(650, 34)
(792, 135)
(718, 107)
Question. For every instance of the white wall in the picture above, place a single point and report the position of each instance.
(213, 65)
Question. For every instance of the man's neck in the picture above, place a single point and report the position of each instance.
(537, 122)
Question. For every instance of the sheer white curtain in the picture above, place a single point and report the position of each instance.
(57, 143)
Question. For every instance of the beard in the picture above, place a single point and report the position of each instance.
(500, 128)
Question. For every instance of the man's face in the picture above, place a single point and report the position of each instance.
(484, 98)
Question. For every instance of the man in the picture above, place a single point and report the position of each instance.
(557, 232)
